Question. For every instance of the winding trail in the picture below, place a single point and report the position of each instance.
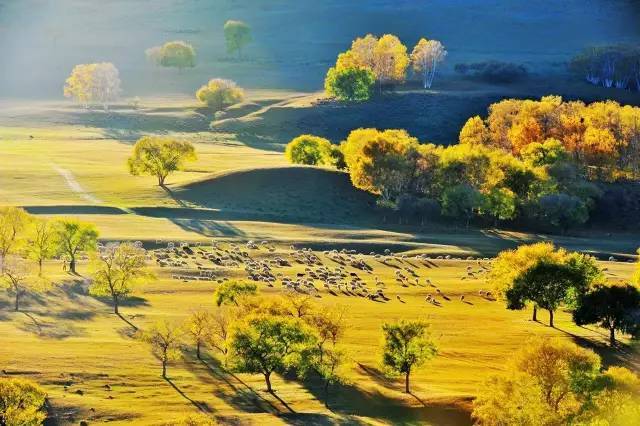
(75, 186)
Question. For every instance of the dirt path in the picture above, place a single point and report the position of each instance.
(75, 186)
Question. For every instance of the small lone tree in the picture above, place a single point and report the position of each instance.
(16, 278)
(74, 237)
(266, 344)
(407, 345)
(219, 93)
(615, 307)
(425, 58)
(237, 35)
(117, 269)
(42, 241)
(353, 84)
(198, 327)
(164, 339)
(22, 403)
(174, 54)
(232, 291)
(310, 150)
(159, 157)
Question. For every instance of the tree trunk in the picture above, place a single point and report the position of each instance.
(612, 336)
(326, 393)
(406, 381)
(17, 305)
(198, 349)
(550, 318)
(267, 379)
(115, 304)
(161, 180)
(39, 267)
(164, 369)
(72, 265)
(534, 317)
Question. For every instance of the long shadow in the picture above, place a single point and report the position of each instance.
(202, 406)
(127, 321)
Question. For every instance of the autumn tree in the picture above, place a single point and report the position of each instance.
(117, 270)
(13, 223)
(310, 150)
(74, 237)
(219, 330)
(614, 307)
(16, 278)
(42, 241)
(547, 382)
(407, 345)
(22, 403)
(426, 56)
(474, 132)
(174, 54)
(93, 83)
(237, 35)
(233, 292)
(164, 338)
(219, 93)
(268, 344)
(390, 60)
(198, 327)
(159, 157)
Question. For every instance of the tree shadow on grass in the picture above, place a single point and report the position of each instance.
(200, 405)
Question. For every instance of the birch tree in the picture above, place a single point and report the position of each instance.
(426, 56)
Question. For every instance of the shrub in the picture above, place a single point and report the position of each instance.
(493, 71)
(350, 84)
(311, 150)
(220, 93)
(176, 54)
(21, 402)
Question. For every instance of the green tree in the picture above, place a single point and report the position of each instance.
(269, 344)
(22, 403)
(407, 345)
(233, 291)
(350, 84)
(164, 340)
(614, 307)
(42, 241)
(157, 156)
(74, 237)
(237, 35)
(461, 201)
(563, 210)
(219, 93)
(117, 270)
(310, 150)
(500, 203)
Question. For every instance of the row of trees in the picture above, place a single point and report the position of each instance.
(264, 336)
(602, 138)
(383, 60)
(616, 66)
(464, 181)
(553, 382)
(543, 277)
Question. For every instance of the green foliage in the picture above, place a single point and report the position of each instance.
(219, 93)
(42, 241)
(266, 344)
(614, 307)
(407, 345)
(159, 157)
(174, 54)
(311, 150)
(350, 84)
(22, 403)
(547, 153)
(73, 237)
(562, 210)
(237, 35)
(461, 201)
(232, 292)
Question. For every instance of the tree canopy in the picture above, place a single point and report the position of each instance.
(159, 157)
(219, 93)
(97, 83)
(237, 35)
(173, 54)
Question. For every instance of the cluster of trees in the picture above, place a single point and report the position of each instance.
(159, 157)
(615, 66)
(219, 93)
(22, 403)
(315, 151)
(288, 334)
(93, 84)
(383, 60)
(544, 277)
(173, 54)
(27, 241)
(602, 139)
(552, 382)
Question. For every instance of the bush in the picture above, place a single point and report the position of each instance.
(493, 71)
(562, 210)
(310, 150)
(220, 93)
(176, 54)
(350, 84)
(21, 402)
